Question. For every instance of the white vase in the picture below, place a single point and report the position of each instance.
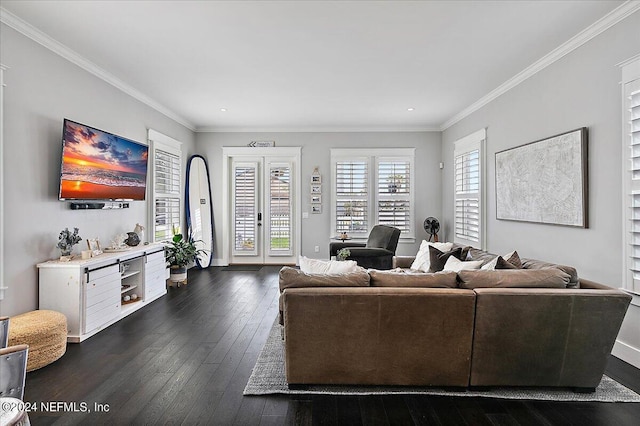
(139, 229)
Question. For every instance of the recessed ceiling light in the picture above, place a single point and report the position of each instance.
(409, 109)
(223, 109)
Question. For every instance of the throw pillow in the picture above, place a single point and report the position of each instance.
(316, 266)
(438, 259)
(498, 262)
(490, 266)
(466, 253)
(514, 259)
(422, 260)
(456, 265)
(504, 264)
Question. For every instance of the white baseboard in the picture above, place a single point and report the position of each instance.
(627, 353)
(218, 262)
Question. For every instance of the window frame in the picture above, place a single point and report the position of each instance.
(630, 75)
(373, 157)
(3, 68)
(160, 142)
(464, 146)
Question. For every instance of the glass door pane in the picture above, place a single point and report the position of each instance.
(279, 209)
(245, 209)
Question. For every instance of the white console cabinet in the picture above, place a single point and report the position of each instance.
(92, 293)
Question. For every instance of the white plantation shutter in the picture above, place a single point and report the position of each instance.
(467, 169)
(468, 209)
(373, 186)
(166, 186)
(245, 208)
(280, 230)
(352, 196)
(394, 194)
(167, 190)
(631, 152)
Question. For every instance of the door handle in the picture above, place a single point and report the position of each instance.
(259, 216)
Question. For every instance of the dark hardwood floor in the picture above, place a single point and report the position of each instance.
(186, 358)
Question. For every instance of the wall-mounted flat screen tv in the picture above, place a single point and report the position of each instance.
(97, 165)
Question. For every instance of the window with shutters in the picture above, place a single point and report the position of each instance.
(166, 183)
(468, 189)
(631, 169)
(372, 186)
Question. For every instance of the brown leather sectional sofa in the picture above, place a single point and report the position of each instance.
(396, 328)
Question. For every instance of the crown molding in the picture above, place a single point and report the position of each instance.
(597, 28)
(629, 61)
(606, 22)
(60, 49)
(314, 129)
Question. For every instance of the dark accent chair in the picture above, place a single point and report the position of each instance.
(378, 251)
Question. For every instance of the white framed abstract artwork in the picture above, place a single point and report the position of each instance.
(545, 181)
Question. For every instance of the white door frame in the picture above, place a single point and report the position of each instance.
(228, 153)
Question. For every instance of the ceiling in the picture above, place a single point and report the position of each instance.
(311, 65)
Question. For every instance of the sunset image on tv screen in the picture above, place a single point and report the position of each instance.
(99, 165)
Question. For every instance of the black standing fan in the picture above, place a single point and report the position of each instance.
(432, 226)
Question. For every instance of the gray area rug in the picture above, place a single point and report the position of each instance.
(268, 377)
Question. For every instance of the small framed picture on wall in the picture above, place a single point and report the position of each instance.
(316, 179)
(316, 189)
(316, 209)
(316, 199)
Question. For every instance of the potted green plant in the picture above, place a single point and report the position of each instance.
(343, 253)
(179, 254)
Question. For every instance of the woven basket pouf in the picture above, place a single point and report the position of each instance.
(44, 331)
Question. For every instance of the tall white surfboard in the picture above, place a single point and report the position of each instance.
(199, 208)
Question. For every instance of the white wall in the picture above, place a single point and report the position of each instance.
(41, 89)
(316, 230)
(581, 89)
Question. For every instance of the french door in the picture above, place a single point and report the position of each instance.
(263, 225)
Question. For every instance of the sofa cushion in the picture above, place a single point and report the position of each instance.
(454, 264)
(539, 264)
(404, 279)
(423, 260)
(292, 277)
(317, 266)
(438, 259)
(523, 278)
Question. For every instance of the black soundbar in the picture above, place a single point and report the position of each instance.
(99, 206)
